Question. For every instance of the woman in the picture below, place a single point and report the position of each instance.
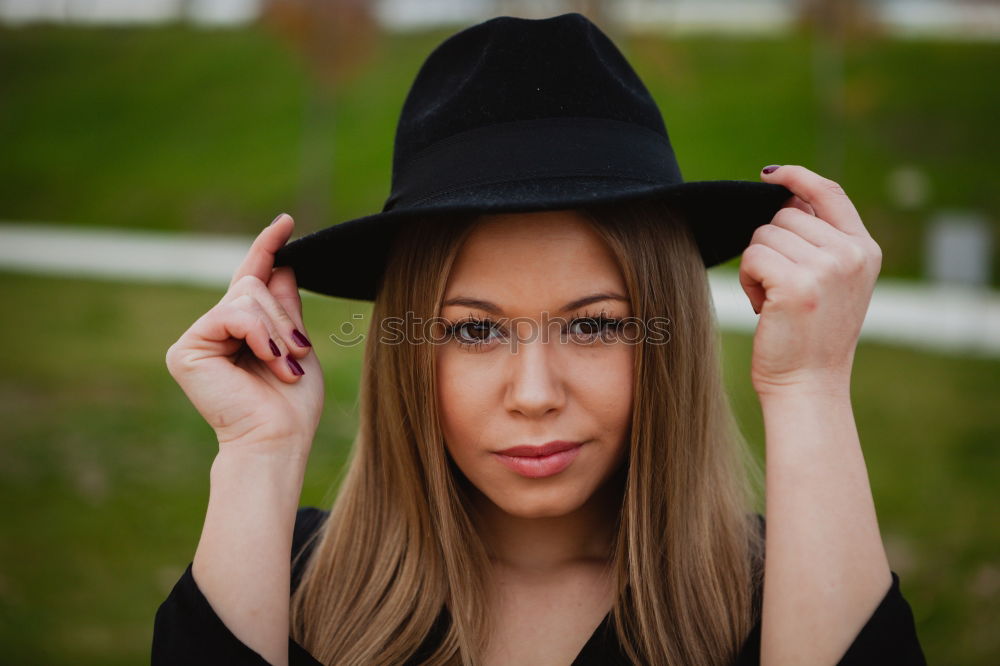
(547, 470)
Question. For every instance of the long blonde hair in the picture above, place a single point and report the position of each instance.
(399, 573)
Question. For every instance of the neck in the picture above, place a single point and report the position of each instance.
(547, 544)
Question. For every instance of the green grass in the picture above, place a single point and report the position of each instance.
(104, 463)
(177, 128)
(104, 467)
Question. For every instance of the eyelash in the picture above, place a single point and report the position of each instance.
(601, 320)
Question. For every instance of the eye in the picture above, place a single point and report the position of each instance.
(474, 332)
(590, 328)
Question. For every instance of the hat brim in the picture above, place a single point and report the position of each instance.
(347, 260)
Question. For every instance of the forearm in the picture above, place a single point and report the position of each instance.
(826, 569)
(242, 563)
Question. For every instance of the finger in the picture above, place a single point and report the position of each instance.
(227, 329)
(251, 322)
(286, 328)
(795, 202)
(808, 226)
(788, 243)
(828, 199)
(761, 268)
(259, 259)
(285, 290)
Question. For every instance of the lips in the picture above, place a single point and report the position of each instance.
(536, 462)
(538, 451)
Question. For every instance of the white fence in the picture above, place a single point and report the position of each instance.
(952, 19)
(950, 319)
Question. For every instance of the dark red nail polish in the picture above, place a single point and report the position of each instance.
(294, 365)
(771, 168)
(300, 339)
(274, 347)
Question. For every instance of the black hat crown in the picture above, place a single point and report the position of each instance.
(495, 72)
(516, 114)
(495, 89)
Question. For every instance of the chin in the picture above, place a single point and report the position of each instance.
(550, 503)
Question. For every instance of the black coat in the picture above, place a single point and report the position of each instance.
(187, 630)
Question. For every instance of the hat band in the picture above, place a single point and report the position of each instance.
(535, 149)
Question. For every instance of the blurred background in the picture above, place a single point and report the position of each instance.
(144, 144)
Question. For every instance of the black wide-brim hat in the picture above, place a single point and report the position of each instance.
(519, 115)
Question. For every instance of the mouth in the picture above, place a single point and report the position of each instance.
(546, 449)
(539, 461)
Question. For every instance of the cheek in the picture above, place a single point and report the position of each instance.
(604, 388)
(463, 399)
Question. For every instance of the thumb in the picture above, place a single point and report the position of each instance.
(753, 289)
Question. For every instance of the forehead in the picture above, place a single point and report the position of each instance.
(521, 254)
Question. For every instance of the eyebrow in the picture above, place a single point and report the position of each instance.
(572, 305)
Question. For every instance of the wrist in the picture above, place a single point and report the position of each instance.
(278, 471)
(826, 384)
(280, 450)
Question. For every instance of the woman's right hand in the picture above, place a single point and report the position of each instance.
(250, 392)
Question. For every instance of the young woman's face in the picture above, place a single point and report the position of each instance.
(533, 360)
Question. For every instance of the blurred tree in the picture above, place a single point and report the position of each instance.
(597, 11)
(336, 39)
(830, 23)
(848, 17)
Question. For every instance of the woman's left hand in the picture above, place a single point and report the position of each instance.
(809, 274)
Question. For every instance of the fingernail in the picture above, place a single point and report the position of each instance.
(770, 168)
(300, 339)
(294, 365)
(274, 347)
(276, 219)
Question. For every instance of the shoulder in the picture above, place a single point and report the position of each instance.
(758, 524)
(308, 521)
(757, 564)
(761, 523)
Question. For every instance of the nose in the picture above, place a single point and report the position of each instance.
(535, 386)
